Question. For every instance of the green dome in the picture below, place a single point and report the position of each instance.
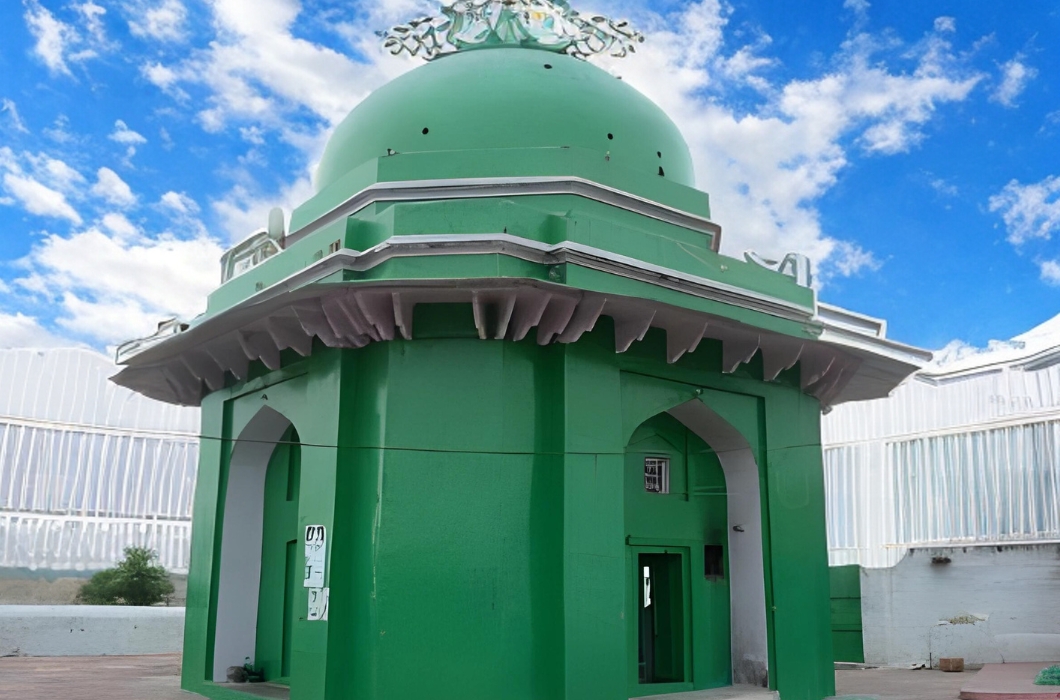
(501, 98)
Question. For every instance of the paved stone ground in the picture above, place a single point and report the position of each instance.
(92, 678)
(1009, 681)
(158, 678)
(900, 684)
(736, 692)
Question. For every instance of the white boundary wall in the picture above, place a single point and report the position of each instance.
(87, 630)
(1005, 603)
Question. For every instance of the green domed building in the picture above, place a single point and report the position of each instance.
(495, 419)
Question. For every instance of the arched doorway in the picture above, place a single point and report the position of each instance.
(694, 518)
(281, 562)
(257, 483)
(676, 522)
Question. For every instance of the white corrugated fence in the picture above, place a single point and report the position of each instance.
(961, 454)
(88, 468)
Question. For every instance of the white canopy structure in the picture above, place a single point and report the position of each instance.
(87, 467)
(967, 452)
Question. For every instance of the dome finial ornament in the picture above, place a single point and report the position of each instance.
(542, 24)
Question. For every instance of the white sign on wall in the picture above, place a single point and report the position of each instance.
(315, 549)
(318, 603)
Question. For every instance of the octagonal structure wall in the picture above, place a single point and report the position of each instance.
(473, 495)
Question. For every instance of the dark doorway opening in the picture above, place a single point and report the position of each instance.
(661, 638)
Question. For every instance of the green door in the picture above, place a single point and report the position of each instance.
(847, 638)
(280, 561)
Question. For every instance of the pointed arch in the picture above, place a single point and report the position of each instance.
(750, 635)
(235, 625)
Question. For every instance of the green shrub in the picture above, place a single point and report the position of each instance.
(136, 580)
(1048, 676)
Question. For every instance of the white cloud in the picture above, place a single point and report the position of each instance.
(1050, 272)
(111, 288)
(943, 188)
(183, 213)
(161, 21)
(130, 139)
(849, 259)
(39, 199)
(954, 351)
(11, 108)
(860, 8)
(243, 212)
(179, 202)
(118, 225)
(112, 281)
(1015, 74)
(766, 167)
(43, 190)
(945, 24)
(54, 172)
(92, 15)
(109, 320)
(124, 135)
(60, 131)
(20, 331)
(1029, 211)
(160, 75)
(59, 43)
(110, 187)
(252, 134)
(53, 36)
(258, 70)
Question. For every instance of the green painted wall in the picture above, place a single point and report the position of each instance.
(799, 565)
(463, 537)
(847, 636)
(477, 499)
(307, 392)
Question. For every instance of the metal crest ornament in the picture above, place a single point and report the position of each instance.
(543, 24)
(794, 265)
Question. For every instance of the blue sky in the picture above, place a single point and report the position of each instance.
(911, 149)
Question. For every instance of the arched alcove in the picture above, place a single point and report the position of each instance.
(235, 626)
(750, 640)
(675, 518)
